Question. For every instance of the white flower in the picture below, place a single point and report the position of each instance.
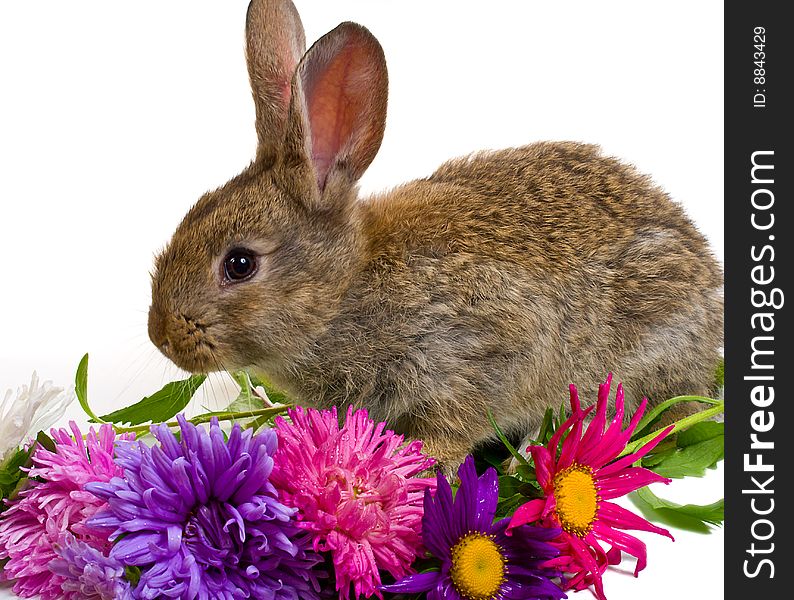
(35, 408)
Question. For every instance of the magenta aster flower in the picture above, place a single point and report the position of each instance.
(53, 503)
(87, 573)
(579, 484)
(479, 561)
(200, 518)
(356, 491)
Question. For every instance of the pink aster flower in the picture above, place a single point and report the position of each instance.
(579, 484)
(53, 503)
(356, 491)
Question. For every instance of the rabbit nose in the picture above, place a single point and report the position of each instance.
(157, 328)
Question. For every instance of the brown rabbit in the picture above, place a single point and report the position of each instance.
(492, 284)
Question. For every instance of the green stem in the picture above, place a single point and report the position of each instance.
(678, 425)
(221, 416)
(657, 410)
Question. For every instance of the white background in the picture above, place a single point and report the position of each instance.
(115, 117)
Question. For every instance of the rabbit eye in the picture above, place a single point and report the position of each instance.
(239, 265)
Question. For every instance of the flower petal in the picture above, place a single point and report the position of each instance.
(570, 446)
(487, 499)
(624, 542)
(421, 582)
(626, 481)
(544, 465)
(592, 437)
(527, 513)
(615, 515)
(465, 504)
(629, 459)
(557, 436)
(584, 556)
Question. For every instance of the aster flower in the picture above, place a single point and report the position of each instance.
(201, 519)
(55, 502)
(579, 484)
(87, 574)
(356, 491)
(35, 408)
(479, 561)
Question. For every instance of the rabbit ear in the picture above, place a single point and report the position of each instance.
(338, 110)
(275, 43)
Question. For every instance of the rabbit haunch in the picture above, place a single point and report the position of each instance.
(492, 284)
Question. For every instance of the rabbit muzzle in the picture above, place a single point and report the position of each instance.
(185, 341)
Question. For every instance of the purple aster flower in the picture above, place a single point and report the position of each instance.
(478, 560)
(200, 518)
(86, 573)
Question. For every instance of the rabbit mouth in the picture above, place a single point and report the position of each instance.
(195, 356)
(186, 342)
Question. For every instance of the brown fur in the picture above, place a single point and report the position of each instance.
(493, 283)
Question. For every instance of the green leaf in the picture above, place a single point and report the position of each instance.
(719, 377)
(258, 423)
(507, 506)
(526, 473)
(713, 514)
(546, 428)
(691, 460)
(11, 475)
(81, 388)
(160, 406)
(517, 455)
(509, 486)
(246, 400)
(717, 408)
(132, 574)
(700, 432)
(697, 433)
(272, 393)
(661, 453)
(244, 403)
(81, 381)
(45, 441)
(558, 423)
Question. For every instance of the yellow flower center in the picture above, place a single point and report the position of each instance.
(478, 567)
(577, 499)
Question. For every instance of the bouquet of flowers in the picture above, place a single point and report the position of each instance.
(269, 500)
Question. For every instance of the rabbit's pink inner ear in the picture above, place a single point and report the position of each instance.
(345, 87)
(275, 43)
